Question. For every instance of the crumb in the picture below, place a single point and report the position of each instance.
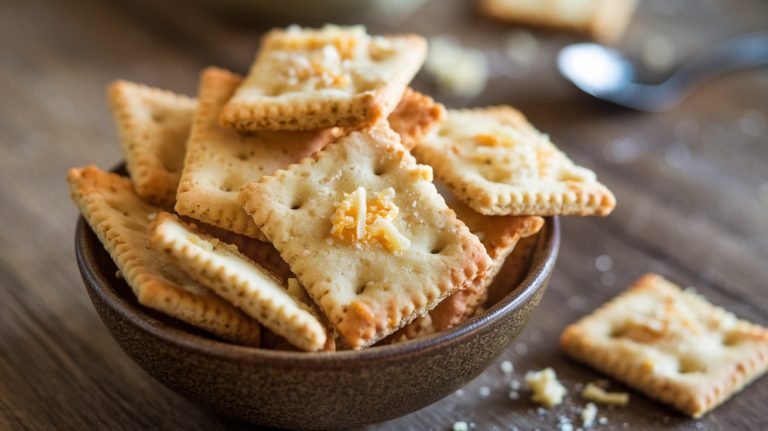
(603, 421)
(547, 390)
(460, 393)
(593, 392)
(507, 367)
(484, 392)
(588, 415)
(514, 385)
(458, 71)
(118, 274)
(460, 426)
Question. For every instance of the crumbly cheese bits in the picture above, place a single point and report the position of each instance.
(547, 390)
(362, 221)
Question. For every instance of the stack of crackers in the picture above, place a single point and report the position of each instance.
(296, 208)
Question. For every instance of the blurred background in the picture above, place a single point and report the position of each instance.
(691, 182)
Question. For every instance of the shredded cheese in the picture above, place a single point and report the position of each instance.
(364, 221)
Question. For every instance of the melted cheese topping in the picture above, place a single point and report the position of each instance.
(547, 390)
(360, 220)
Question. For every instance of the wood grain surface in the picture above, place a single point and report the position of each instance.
(692, 187)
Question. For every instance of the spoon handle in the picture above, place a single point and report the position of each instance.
(739, 53)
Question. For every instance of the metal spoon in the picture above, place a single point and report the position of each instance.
(605, 74)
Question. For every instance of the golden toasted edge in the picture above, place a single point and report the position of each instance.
(415, 116)
(576, 343)
(360, 330)
(152, 182)
(198, 203)
(257, 294)
(208, 312)
(590, 199)
(361, 109)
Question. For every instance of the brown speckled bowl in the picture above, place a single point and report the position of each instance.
(309, 390)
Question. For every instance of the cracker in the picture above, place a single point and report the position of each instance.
(154, 126)
(307, 79)
(604, 20)
(498, 164)
(514, 269)
(415, 116)
(222, 268)
(499, 236)
(220, 161)
(120, 219)
(671, 344)
(365, 290)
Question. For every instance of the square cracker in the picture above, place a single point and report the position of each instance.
(220, 161)
(366, 291)
(120, 219)
(604, 20)
(415, 116)
(307, 79)
(154, 126)
(244, 283)
(498, 164)
(499, 236)
(671, 344)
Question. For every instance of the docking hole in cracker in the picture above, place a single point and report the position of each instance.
(307, 79)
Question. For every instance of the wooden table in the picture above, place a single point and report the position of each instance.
(692, 186)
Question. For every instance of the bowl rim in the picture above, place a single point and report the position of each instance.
(541, 266)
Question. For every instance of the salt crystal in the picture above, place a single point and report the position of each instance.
(507, 367)
(460, 426)
(460, 393)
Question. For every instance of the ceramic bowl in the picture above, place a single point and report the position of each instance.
(310, 390)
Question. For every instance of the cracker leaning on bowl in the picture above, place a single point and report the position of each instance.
(671, 344)
(120, 220)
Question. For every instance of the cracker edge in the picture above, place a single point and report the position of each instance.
(228, 284)
(151, 291)
(154, 185)
(692, 403)
(361, 109)
(597, 200)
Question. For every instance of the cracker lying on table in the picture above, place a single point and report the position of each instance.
(604, 20)
(671, 344)
(498, 164)
(222, 268)
(120, 220)
(415, 116)
(365, 231)
(307, 79)
(220, 161)
(154, 126)
(499, 236)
